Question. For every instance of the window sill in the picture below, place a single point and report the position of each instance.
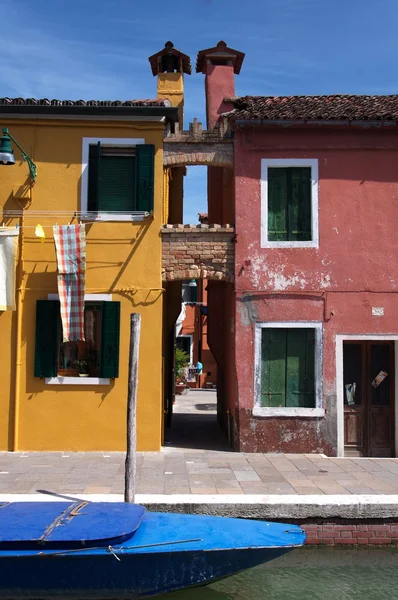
(77, 381)
(108, 216)
(261, 411)
(312, 244)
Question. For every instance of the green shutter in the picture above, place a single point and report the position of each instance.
(288, 367)
(47, 337)
(94, 156)
(299, 213)
(145, 154)
(117, 183)
(277, 204)
(273, 367)
(110, 334)
(300, 369)
(289, 204)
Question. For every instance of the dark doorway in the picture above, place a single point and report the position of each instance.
(194, 424)
(184, 342)
(368, 398)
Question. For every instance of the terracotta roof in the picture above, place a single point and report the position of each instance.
(92, 103)
(218, 55)
(315, 108)
(203, 217)
(183, 61)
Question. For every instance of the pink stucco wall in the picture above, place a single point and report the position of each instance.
(354, 268)
(219, 84)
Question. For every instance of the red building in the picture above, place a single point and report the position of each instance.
(310, 328)
(192, 333)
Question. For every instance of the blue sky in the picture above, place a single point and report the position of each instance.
(99, 49)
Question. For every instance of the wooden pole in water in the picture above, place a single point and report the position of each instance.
(131, 456)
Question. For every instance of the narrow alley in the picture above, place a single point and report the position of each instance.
(194, 423)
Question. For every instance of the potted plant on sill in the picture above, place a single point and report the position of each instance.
(181, 361)
(82, 368)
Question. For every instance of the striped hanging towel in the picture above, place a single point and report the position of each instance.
(8, 263)
(70, 247)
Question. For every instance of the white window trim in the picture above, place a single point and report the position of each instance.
(289, 162)
(188, 335)
(77, 381)
(264, 411)
(102, 216)
(87, 297)
(80, 380)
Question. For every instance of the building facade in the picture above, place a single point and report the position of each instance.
(316, 274)
(308, 350)
(192, 334)
(99, 164)
(297, 259)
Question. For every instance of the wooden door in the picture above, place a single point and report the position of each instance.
(354, 399)
(368, 409)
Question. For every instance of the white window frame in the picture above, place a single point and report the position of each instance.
(289, 411)
(188, 335)
(290, 162)
(110, 143)
(81, 380)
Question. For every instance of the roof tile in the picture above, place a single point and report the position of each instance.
(92, 103)
(315, 108)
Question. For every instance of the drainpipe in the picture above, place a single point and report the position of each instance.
(18, 341)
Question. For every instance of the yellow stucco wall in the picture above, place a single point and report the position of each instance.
(171, 86)
(123, 259)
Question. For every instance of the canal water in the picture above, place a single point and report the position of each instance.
(310, 574)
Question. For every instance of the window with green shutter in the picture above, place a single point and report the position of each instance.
(96, 356)
(145, 176)
(110, 339)
(121, 179)
(47, 334)
(288, 367)
(289, 204)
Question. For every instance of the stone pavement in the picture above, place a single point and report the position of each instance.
(194, 423)
(196, 460)
(179, 471)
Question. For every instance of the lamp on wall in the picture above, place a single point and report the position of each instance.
(7, 154)
(192, 283)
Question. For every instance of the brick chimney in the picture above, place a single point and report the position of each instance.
(220, 65)
(170, 65)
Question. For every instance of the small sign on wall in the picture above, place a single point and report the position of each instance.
(377, 311)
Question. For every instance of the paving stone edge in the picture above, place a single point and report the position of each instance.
(249, 506)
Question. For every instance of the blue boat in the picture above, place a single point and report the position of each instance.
(117, 551)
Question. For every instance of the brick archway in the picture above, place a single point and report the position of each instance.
(213, 148)
(210, 155)
(201, 252)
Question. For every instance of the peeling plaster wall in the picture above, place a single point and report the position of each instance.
(354, 269)
(358, 201)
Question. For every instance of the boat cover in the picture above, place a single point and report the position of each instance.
(67, 524)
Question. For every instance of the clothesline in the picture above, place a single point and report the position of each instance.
(33, 214)
(3, 226)
(70, 251)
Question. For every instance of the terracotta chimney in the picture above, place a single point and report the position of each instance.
(220, 65)
(169, 65)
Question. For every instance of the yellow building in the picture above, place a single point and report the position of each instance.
(99, 164)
